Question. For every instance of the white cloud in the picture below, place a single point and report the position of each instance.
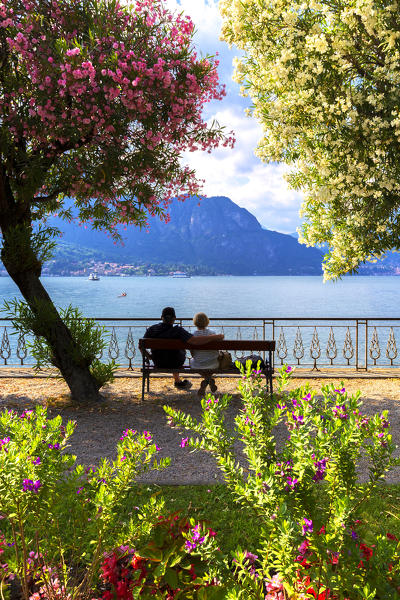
(238, 174)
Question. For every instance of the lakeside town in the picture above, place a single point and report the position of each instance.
(114, 269)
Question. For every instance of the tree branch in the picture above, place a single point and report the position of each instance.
(53, 196)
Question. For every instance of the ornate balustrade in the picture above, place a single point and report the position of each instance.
(345, 343)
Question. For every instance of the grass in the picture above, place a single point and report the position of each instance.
(236, 525)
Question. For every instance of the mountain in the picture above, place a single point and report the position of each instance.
(214, 233)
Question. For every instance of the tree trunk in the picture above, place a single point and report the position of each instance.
(19, 254)
(25, 270)
(82, 384)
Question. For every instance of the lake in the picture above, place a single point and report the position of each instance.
(223, 296)
(268, 301)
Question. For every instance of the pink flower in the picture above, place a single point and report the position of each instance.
(73, 52)
(184, 442)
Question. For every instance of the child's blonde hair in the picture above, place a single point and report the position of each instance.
(201, 320)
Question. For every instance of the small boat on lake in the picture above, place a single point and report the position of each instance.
(94, 277)
(180, 275)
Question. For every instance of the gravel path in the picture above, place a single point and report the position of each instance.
(98, 429)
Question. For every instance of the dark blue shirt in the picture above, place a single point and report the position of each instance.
(168, 358)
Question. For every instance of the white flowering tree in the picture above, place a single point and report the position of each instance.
(324, 78)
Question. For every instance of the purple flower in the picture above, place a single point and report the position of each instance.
(147, 436)
(385, 423)
(157, 448)
(307, 397)
(340, 411)
(27, 485)
(126, 432)
(281, 406)
(195, 540)
(291, 483)
(54, 446)
(307, 527)
(321, 468)
(341, 391)
(288, 369)
(251, 558)
(4, 443)
(354, 535)
(31, 486)
(184, 442)
(36, 461)
(196, 537)
(364, 422)
(78, 491)
(249, 561)
(254, 372)
(298, 419)
(26, 414)
(190, 546)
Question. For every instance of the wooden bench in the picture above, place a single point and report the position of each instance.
(247, 346)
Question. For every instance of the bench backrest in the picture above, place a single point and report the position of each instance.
(166, 344)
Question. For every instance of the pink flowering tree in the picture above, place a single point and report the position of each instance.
(98, 100)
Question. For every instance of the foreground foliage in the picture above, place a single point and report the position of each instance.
(302, 520)
(303, 497)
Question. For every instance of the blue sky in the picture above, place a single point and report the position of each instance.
(237, 173)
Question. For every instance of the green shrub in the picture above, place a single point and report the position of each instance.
(89, 339)
(65, 514)
(304, 497)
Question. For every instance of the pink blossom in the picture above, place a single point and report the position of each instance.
(79, 98)
(73, 52)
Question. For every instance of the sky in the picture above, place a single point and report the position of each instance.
(238, 173)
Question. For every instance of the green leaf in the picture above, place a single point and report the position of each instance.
(214, 592)
(171, 578)
(152, 552)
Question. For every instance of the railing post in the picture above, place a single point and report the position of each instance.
(359, 324)
(273, 337)
(263, 337)
(357, 338)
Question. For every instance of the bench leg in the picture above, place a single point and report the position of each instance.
(148, 382)
(143, 383)
(268, 381)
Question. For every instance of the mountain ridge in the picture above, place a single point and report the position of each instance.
(210, 232)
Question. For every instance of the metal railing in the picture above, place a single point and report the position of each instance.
(347, 343)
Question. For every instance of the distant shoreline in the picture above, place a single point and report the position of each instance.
(141, 276)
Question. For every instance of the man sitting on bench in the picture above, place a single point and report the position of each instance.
(171, 359)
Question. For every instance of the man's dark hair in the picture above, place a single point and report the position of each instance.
(168, 314)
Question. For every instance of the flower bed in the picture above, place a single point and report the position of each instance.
(82, 533)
